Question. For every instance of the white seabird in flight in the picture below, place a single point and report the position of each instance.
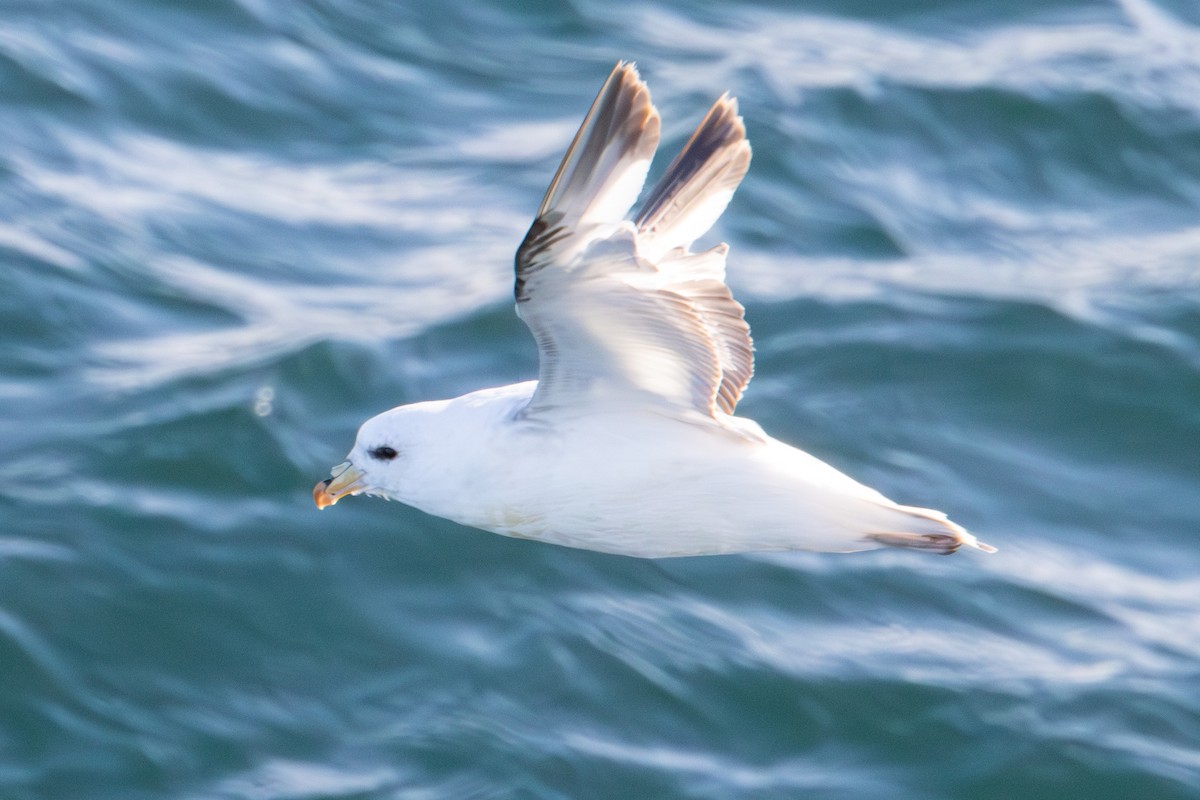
(626, 443)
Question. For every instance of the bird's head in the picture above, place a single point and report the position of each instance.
(388, 458)
(428, 455)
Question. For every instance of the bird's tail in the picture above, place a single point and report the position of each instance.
(935, 533)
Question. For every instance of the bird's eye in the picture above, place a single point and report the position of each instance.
(383, 453)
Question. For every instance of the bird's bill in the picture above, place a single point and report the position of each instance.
(346, 480)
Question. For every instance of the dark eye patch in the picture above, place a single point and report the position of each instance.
(383, 453)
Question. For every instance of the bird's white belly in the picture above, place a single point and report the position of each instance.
(694, 491)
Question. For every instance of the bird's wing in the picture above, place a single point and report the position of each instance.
(621, 310)
(690, 197)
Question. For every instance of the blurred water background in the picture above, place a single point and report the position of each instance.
(230, 230)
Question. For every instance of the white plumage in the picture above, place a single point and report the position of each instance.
(626, 443)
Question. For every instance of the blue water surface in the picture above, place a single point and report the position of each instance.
(231, 230)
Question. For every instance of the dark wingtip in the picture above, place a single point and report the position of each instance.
(621, 116)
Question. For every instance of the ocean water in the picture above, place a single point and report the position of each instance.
(231, 230)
